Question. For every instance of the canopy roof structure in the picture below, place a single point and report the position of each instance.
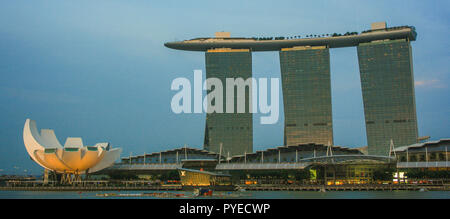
(45, 149)
(442, 142)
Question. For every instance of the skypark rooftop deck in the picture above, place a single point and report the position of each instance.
(277, 43)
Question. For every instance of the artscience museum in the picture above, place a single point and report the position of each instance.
(71, 160)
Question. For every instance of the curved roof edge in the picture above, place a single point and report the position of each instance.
(204, 44)
(419, 145)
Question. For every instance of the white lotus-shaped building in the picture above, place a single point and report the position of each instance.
(45, 149)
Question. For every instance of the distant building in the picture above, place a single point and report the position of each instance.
(233, 132)
(69, 161)
(387, 84)
(191, 157)
(385, 61)
(433, 155)
(202, 168)
(191, 177)
(305, 73)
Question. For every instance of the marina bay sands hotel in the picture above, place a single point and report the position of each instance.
(387, 81)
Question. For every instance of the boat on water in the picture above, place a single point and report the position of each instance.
(203, 192)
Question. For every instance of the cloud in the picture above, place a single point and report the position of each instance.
(429, 83)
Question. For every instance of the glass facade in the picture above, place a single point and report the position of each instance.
(233, 130)
(203, 178)
(305, 73)
(387, 84)
(354, 172)
(435, 151)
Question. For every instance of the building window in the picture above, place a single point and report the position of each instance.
(441, 157)
(422, 157)
(402, 158)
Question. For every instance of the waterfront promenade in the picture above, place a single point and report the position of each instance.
(91, 188)
(368, 187)
(267, 187)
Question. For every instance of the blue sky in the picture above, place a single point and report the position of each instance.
(99, 70)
